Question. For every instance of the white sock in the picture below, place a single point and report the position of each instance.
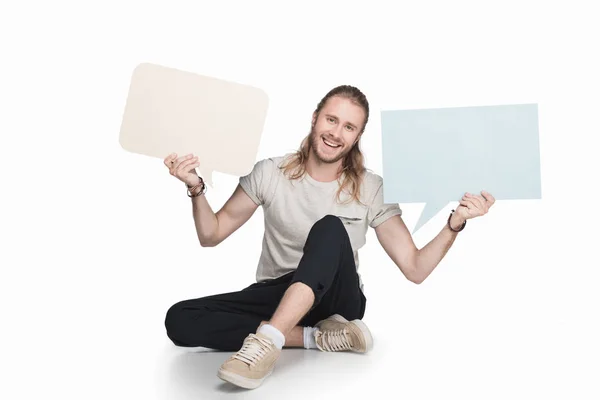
(274, 334)
(309, 337)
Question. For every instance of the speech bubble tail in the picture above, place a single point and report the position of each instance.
(430, 210)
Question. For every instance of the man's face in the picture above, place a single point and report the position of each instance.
(336, 129)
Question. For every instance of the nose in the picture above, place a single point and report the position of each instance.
(337, 132)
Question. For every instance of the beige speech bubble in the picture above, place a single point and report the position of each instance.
(173, 111)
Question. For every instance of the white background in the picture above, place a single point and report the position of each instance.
(97, 242)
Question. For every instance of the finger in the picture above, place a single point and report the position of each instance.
(471, 206)
(468, 205)
(480, 201)
(168, 160)
(186, 166)
(484, 202)
(194, 166)
(488, 197)
(189, 169)
(477, 208)
(177, 162)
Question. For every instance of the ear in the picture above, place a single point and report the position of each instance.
(314, 118)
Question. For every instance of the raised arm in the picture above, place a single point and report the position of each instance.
(211, 228)
(415, 264)
(395, 238)
(418, 264)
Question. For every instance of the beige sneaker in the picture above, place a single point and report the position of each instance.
(252, 364)
(336, 333)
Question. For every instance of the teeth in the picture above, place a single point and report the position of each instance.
(331, 144)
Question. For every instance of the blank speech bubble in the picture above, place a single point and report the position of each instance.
(434, 156)
(173, 111)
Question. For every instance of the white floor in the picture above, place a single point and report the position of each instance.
(298, 374)
(454, 360)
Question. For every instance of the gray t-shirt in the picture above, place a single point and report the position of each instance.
(291, 207)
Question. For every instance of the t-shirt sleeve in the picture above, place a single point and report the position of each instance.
(379, 211)
(258, 182)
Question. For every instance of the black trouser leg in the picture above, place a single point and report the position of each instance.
(328, 268)
(223, 321)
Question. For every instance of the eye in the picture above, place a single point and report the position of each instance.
(330, 119)
(349, 127)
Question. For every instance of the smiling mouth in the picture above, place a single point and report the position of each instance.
(331, 144)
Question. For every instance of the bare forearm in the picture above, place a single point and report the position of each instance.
(430, 256)
(205, 220)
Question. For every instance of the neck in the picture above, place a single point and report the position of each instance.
(322, 172)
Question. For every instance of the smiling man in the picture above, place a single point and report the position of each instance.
(318, 204)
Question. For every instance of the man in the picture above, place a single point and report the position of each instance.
(318, 204)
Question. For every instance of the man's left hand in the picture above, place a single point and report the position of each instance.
(472, 206)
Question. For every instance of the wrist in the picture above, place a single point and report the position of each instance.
(196, 182)
(456, 222)
(197, 189)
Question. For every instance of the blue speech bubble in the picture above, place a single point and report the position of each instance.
(434, 156)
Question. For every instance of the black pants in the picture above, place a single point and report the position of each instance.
(223, 321)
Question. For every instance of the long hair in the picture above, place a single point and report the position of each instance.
(353, 164)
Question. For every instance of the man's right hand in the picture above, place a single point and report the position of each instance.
(183, 168)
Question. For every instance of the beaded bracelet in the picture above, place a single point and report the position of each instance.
(191, 189)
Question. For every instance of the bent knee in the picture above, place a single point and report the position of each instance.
(330, 223)
(178, 319)
(174, 318)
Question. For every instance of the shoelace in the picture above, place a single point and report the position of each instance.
(253, 350)
(335, 340)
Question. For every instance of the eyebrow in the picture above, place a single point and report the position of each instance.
(349, 123)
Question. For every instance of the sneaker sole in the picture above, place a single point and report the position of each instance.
(363, 328)
(241, 381)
